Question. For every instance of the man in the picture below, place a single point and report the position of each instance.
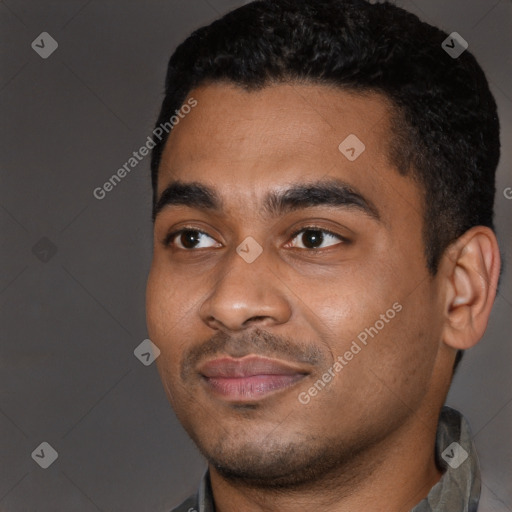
(324, 252)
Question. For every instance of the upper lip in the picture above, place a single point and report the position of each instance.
(248, 366)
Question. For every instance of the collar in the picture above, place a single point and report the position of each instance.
(458, 490)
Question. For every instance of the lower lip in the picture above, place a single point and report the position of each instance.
(250, 388)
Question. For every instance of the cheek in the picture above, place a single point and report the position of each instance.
(156, 304)
(348, 303)
(387, 332)
(163, 313)
(167, 307)
(402, 356)
(164, 308)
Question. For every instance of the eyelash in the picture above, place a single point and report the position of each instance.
(170, 236)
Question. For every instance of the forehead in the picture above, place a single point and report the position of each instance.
(251, 141)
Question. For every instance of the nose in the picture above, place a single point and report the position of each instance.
(246, 294)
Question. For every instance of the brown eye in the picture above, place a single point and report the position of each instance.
(189, 239)
(314, 238)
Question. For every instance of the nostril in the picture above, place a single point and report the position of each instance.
(255, 319)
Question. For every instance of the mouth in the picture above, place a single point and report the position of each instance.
(250, 378)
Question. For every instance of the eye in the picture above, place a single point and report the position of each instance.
(188, 239)
(312, 237)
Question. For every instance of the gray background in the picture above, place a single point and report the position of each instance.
(68, 375)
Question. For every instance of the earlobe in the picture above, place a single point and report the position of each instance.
(472, 265)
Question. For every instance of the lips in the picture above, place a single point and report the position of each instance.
(249, 378)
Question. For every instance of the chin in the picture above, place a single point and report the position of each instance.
(278, 465)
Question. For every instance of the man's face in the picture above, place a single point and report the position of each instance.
(249, 343)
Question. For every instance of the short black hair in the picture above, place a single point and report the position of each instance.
(444, 117)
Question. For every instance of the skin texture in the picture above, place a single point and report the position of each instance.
(370, 431)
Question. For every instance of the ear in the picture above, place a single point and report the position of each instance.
(471, 268)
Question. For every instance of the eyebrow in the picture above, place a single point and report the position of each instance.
(327, 192)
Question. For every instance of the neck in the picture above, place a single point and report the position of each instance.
(393, 475)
